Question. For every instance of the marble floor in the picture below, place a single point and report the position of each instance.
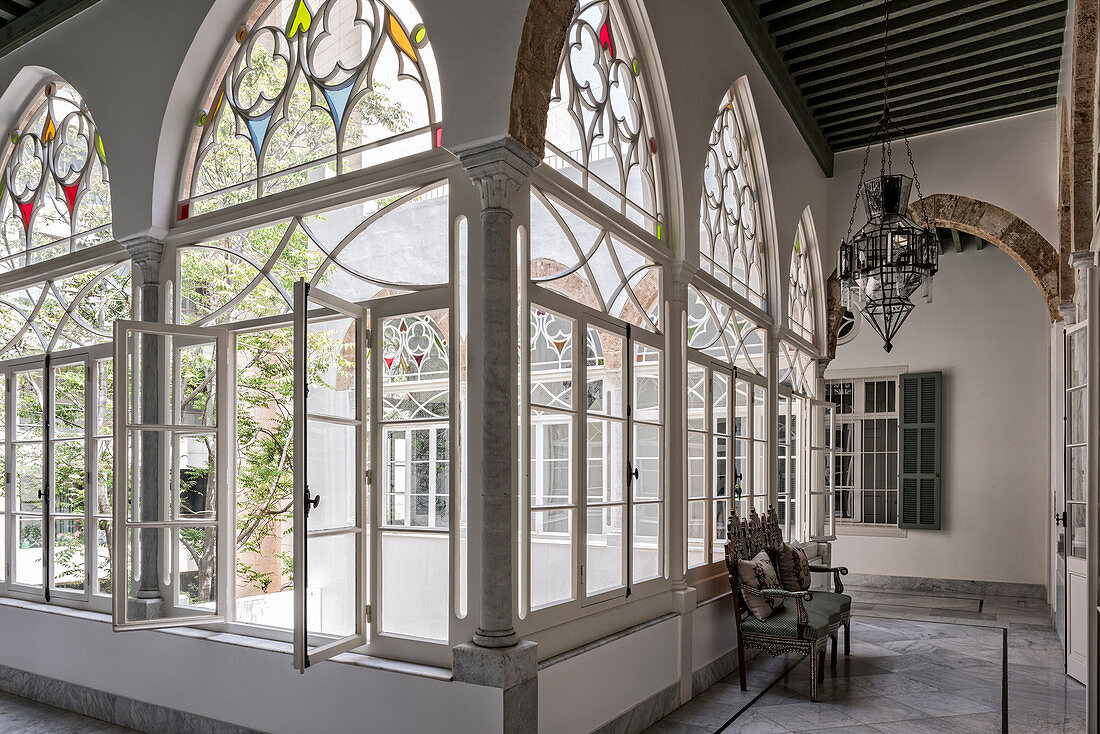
(21, 716)
(920, 664)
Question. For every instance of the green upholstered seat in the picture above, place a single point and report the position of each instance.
(829, 603)
(784, 623)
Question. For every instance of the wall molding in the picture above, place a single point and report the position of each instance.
(128, 712)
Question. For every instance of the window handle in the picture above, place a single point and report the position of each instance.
(311, 501)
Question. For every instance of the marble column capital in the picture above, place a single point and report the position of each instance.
(498, 169)
(1082, 259)
(147, 253)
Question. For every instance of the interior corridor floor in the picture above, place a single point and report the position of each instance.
(920, 664)
(21, 716)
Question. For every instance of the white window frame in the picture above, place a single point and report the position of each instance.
(755, 489)
(855, 420)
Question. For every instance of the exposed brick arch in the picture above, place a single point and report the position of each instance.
(536, 67)
(994, 225)
(1083, 71)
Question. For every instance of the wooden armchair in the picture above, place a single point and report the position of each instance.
(804, 626)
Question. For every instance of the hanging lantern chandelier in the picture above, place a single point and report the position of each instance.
(891, 256)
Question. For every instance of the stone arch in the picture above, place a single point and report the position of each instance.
(994, 225)
(1065, 205)
(1083, 71)
(540, 47)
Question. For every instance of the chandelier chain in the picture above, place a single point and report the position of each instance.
(916, 182)
(855, 204)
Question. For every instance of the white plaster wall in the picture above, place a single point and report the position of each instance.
(714, 631)
(588, 690)
(245, 686)
(703, 54)
(1011, 163)
(988, 331)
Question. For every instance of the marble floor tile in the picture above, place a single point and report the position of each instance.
(754, 723)
(808, 715)
(941, 703)
(919, 676)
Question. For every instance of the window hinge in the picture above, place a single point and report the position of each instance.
(368, 610)
(582, 574)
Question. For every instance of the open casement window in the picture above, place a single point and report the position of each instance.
(822, 460)
(55, 451)
(331, 421)
(172, 507)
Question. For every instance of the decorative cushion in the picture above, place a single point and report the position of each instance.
(759, 573)
(793, 567)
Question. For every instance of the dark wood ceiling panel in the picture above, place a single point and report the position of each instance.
(952, 62)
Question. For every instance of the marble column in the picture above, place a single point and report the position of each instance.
(146, 601)
(684, 598)
(496, 657)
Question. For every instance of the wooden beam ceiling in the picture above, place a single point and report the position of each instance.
(952, 62)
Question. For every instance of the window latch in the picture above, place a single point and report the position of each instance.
(311, 501)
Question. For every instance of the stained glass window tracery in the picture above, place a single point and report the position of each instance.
(716, 328)
(731, 226)
(599, 129)
(386, 246)
(310, 91)
(590, 265)
(800, 309)
(64, 313)
(55, 196)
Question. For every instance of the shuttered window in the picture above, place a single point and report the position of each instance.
(921, 432)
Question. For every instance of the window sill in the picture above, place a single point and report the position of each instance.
(872, 531)
(255, 643)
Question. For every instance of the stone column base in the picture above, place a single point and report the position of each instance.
(144, 608)
(514, 670)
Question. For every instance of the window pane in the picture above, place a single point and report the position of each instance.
(68, 555)
(696, 397)
(647, 526)
(647, 462)
(414, 584)
(551, 459)
(604, 549)
(29, 547)
(551, 359)
(697, 464)
(415, 367)
(605, 460)
(605, 372)
(697, 533)
(551, 557)
(330, 598)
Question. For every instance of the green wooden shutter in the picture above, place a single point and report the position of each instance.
(921, 429)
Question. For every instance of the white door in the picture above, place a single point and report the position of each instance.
(331, 423)
(1076, 494)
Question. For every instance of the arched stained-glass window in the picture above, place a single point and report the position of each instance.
(731, 225)
(800, 307)
(64, 313)
(55, 196)
(599, 131)
(309, 91)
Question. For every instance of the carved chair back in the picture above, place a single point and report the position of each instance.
(746, 538)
